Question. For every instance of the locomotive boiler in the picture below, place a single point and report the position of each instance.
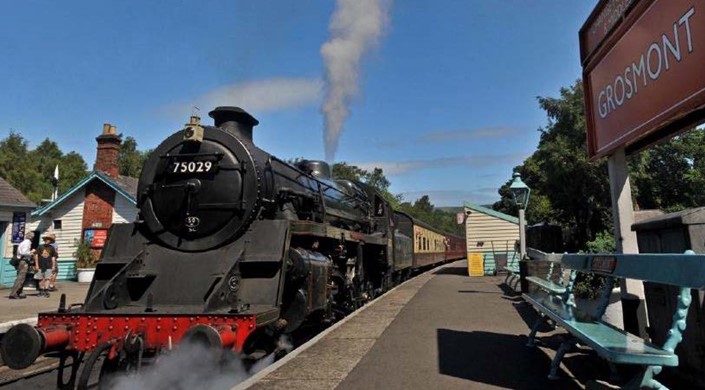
(232, 248)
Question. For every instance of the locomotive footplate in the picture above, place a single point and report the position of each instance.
(308, 228)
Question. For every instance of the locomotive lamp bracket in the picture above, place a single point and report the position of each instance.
(193, 133)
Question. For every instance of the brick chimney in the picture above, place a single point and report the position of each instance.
(108, 150)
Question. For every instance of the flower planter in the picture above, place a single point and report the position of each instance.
(85, 275)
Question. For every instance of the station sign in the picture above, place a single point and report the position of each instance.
(19, 219)
(643, 75)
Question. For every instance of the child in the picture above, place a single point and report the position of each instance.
(45, 263)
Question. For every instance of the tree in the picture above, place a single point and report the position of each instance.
(566, 187)
(572, 191)
(670, 176)
(17, 168)
(375, 179)
(30, 171)
(131, 160)
(72, 169)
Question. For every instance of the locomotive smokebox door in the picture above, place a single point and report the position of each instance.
(196, 195)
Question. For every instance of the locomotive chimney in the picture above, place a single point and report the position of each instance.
(234, 120)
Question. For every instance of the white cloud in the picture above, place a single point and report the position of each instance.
(396, 168)
(455, 198)
(455, 135)
(260, 95)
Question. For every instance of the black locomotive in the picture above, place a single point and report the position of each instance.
(233, 247)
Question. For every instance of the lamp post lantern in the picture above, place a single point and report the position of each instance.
(520, 196)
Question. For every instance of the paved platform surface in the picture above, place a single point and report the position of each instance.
(441, 330)
(23, 310)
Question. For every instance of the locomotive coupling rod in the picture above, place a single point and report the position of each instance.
(23, 343)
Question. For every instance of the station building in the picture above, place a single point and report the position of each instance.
(88, 209)
(14, 214)
(490, 237)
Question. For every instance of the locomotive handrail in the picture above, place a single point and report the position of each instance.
(216, 154)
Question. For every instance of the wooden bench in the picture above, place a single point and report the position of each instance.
(555, 303)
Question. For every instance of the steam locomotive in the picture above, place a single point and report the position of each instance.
(232, 248)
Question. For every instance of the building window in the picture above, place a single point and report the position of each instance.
(57, 224)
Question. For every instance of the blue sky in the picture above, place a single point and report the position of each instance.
(446, 95)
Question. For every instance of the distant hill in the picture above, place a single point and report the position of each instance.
(453, 210)
(456, 210)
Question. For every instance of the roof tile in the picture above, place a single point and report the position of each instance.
(11, 196)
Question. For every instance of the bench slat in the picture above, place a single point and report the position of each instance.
(546, 284)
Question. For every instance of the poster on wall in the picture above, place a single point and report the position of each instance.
(18, 222)
(95, 237)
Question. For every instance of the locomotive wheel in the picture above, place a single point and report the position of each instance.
(89, 364)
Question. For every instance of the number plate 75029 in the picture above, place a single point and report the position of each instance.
(191, 167)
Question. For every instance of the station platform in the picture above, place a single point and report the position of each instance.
(14, 311)
(440, 330)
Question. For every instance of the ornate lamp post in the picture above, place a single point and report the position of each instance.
(520, 196)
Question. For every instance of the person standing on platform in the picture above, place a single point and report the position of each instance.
(45, 263)
(55, 271)
(24, 257)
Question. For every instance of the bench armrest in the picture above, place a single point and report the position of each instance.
(675, 334)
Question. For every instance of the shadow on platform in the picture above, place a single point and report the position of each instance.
(496, 359)
(509, 291)
(451, 271)
(478, 292)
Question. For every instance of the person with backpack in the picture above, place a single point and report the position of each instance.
(21, 262)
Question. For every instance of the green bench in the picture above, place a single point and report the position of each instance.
(512, 269)
(556, 304)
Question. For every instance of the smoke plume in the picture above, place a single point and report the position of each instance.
(355, 26)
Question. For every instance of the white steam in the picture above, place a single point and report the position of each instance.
(193, 366)
(355, 26)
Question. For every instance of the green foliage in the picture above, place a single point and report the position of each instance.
(423, 210)
(589, 286)
(376, 179)
(566, 187)
(603, 243)
(670, 176)
(30, 171)
(85, 258)
(570, 190)
(131, 160)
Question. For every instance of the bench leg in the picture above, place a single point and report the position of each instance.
(566, 346)
(534, 329)
(517, 280)
(645, 380)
